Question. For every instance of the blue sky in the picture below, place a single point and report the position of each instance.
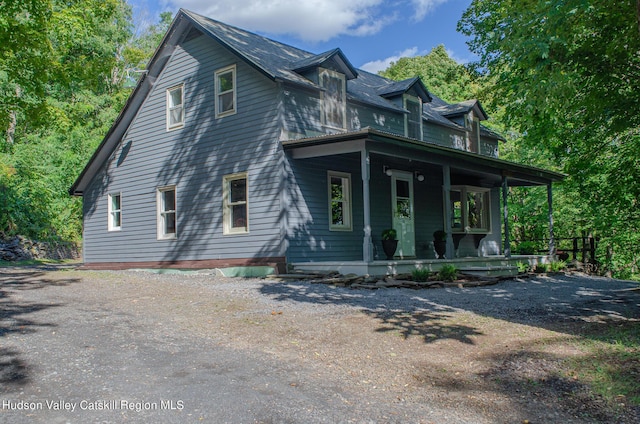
(371, 33)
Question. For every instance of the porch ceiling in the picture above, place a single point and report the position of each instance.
(463, 164)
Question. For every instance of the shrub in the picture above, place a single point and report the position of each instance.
(448, 272)
(542, 268)
(526, 248)
(420, 275)
(557, 266)
(523, 267)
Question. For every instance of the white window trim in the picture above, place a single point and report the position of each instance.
(111, 211)
(415, 99)
(463, 189)
(227, 215)
(160, 218)
(348, 225)
(168, 107)
(323, 118)
(218, 72)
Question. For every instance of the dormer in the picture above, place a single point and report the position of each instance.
(410, 95)
(330, 71)
(467, 114)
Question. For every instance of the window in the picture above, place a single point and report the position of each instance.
(115, 212)
(235, 204)
(333, 99)
(225, 91)
(339, 201)
(167, 218)
(175, 107)
(413, 119)
(470, 209)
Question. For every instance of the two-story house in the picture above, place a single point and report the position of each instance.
(238, 150)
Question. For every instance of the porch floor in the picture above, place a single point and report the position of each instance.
(486, 266)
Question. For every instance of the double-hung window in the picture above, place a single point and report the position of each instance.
(225, 80)
(115, 212)
(333, 99)
(470, 209)
(413, 118)
(235, 204)
(175, 107)
(339, 187)
(167, 213)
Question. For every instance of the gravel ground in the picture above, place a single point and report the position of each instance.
(144, 347)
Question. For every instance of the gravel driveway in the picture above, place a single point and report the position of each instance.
(99, 346)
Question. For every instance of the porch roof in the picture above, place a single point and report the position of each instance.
(375, 141)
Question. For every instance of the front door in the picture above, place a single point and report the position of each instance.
(402, 208)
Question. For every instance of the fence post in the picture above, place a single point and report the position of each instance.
(575, 248)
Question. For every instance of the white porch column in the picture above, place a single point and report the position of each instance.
(446, 187)
(505, 215)
(365, 168)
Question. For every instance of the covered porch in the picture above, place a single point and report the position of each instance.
(416, 188)
(498, 265)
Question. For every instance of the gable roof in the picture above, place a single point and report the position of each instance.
(395, 88)
(276, 61)
(457, 109)
(336, 56)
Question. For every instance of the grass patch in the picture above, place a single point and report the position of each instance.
(611, 364)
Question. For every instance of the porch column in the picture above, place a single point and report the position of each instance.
(505, 212)
(446, 186)
(552, 241)
(365, 170)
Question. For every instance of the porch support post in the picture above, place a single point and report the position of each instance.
(505, 212)
(446, 187)
(365, 165)
(552, 241)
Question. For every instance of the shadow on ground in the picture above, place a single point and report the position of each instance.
(17, 316)
(569, 304)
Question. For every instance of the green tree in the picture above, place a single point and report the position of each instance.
(568, 74)
(55, 121)
(441, 74)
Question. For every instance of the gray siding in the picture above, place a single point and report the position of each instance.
(194, 158)
(308, 233)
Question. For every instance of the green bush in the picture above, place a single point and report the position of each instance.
(523, 267)
(557, 266)
(526, 248)
(420, 275)
(448, 272)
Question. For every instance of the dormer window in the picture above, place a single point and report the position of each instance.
(333, 98)
(472, 124)
(413, 119)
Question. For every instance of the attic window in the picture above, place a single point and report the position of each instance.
(333, 99)
(413, 119)
(225, 91)
(175, 107)
(472, 124)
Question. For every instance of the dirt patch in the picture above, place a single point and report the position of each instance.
(492, 354)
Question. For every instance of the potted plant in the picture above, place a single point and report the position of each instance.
(389, 242)
(440, 243)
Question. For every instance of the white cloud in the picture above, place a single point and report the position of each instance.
(423, 7)
(380, 65)
(308, 20)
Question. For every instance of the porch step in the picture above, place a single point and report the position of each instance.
(490, 271)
